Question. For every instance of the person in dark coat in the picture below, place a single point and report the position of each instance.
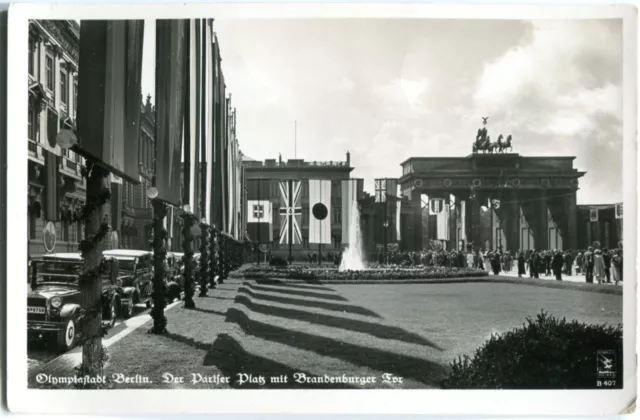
(588, 264)
(495, 263)
(534, 265)
(606, 255)
(557, 263)
(547, 263)
(521, 268)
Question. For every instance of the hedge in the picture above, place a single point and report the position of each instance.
(546, 353)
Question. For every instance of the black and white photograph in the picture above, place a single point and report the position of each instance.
(331, 198)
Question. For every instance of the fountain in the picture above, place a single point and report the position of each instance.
(352, 255)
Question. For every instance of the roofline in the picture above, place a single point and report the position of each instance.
(484, 154)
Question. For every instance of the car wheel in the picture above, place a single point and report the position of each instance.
(67, 336)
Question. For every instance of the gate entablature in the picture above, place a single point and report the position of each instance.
(489, 171)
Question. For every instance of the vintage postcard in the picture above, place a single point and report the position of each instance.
(308, 208)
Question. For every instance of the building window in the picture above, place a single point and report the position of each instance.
(78, 231)
(49, 72)
(31, 57)
(75, 97)
(64, 88)
(65, 231)
(336, 215)
(32, 225)
(32, 125)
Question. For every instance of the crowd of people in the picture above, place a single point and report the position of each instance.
(603, 265)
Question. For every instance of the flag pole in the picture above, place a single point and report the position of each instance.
(295, 139)
(290, 216)
(259, 197)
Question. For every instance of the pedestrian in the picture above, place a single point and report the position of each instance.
(534, 265)
(495, 263)
(557, 263)
(606, 256)
(588, 261)
(521, 268)
(598, 266)
(616, 265)
(579, 259)
(547, 263)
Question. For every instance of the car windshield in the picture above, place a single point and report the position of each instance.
(58, 271)
(126, 265)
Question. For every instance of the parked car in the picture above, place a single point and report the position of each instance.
(135, 278)
(54, 301)
(173, 276)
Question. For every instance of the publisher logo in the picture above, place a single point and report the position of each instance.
(606, 364)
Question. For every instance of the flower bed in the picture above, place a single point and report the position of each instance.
(324, 273)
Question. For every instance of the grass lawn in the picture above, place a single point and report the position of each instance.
(460, 317)
(340, 332)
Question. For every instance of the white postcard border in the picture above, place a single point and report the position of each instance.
(21, 399)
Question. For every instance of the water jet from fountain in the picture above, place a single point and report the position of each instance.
(352, 255)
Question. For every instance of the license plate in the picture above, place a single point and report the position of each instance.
(34, 310)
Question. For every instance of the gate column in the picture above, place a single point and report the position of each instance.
(542, 221)
(571, 240)
(416, 215)
(512, 222)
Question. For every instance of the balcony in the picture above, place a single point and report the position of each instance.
(35, 152)
(70, 168)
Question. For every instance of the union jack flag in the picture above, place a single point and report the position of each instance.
(290, 212)
(381, 190)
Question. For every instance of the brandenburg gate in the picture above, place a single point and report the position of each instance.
(531, 200)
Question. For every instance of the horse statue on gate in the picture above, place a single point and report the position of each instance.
(507, 145)
(483, 141)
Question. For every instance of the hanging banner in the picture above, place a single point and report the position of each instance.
(109, 100)
(171, 66)
(593, 215)
(436, 206)
(618, 211)
(319, 211)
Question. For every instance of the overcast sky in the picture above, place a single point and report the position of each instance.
(387, 90)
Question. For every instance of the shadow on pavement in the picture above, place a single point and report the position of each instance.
(421, 370)
(310, 303)
(373, 329)
(231, 358)
(305, 286)
(296, 292)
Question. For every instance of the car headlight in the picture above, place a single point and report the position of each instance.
(56, 302)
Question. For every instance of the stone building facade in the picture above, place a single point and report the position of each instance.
(271, 171)
(53, 90)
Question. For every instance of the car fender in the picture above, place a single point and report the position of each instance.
(69, 310)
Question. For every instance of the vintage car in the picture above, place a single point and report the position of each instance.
(135, 278)
(173, 278)
(54, 301)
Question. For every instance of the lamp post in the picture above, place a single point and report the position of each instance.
(189, 231)
(160, 235)
(204, 256)
(386, 225)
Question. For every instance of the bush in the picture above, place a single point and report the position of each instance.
(546, 353)
(278, 262)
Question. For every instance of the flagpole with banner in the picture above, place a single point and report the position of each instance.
(171, 67)
(110, 54)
